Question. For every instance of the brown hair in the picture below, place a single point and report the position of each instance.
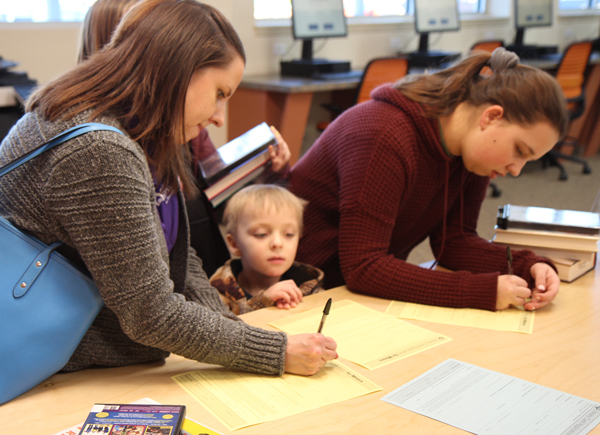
(261, 198)
(142, 76)
(527, 95)
(99, 24)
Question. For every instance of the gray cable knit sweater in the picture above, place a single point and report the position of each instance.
(96, 194)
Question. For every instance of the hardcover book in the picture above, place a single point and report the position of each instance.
(235, 153)
(554, 252)
(569, 270)
(547, 239)
(234, 181)
(548, 219)
(569, 264)
(134, 419)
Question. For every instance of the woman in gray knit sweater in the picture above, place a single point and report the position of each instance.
(117, 200)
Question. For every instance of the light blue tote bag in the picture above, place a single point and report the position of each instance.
(46, 303)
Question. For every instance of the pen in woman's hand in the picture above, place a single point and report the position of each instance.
(509, 259)
(325, 314)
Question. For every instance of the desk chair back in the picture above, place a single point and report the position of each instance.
(570, 75)
(487, 46)
(379, 71)
(573, 66)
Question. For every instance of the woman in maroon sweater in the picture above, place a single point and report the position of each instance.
(415, 162)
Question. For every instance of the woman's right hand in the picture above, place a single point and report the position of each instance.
(307, 353)
(512, 290)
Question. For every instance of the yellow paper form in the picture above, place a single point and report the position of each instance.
(506, 320)
(364, 336)
(240, 399)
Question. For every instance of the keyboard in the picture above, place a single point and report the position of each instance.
(346, 75)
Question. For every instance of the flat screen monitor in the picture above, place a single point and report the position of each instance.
(435, 16)
(317, 19)
(531, 13)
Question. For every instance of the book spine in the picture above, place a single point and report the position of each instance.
(235, 165)
(548, 240)
(234, 177)
(552, 252)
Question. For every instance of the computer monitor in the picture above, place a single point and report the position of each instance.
(531, 13)
(316, 19)
(434, 16)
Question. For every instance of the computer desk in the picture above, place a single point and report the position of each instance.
(562, 353)
(280, 101)
(285, 102)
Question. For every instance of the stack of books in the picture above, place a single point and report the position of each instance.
(568, 238)
(236, 164)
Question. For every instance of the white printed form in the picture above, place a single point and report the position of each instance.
(485, 402)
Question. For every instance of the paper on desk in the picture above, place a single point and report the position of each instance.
(506, 320)
(364, 336)
(240, 399)
(192, 427)
(485, 402)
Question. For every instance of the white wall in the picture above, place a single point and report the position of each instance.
(47, 50)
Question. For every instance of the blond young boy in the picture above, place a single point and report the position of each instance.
(263, 225)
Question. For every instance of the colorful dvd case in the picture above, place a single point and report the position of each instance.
(117, 419)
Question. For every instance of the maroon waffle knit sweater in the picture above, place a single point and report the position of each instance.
(378, 182)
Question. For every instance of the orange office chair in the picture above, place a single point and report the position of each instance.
(571, 75)
(377, 72)
(488, 46)
(380, 71)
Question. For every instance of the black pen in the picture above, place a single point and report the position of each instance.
(325, 314)
(509, 259)
(510, 272)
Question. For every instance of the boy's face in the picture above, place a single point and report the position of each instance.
(266, 241)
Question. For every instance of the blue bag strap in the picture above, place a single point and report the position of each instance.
(40, 261)
(34, 269)
(57, 140)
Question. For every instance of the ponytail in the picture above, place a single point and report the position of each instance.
(528, 95)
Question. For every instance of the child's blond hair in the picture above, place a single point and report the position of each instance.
(261, 197)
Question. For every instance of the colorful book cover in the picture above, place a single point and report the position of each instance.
(134, 419)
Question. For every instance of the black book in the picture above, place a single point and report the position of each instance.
(235, 153)
(548, 219)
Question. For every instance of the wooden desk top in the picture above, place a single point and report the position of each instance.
(562, 353)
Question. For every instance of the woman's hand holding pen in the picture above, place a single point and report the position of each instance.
(307, 353)
(547, 283)
(512, 291)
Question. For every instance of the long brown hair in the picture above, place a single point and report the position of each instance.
(142, 76)
(527, 95)
(99, 24)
